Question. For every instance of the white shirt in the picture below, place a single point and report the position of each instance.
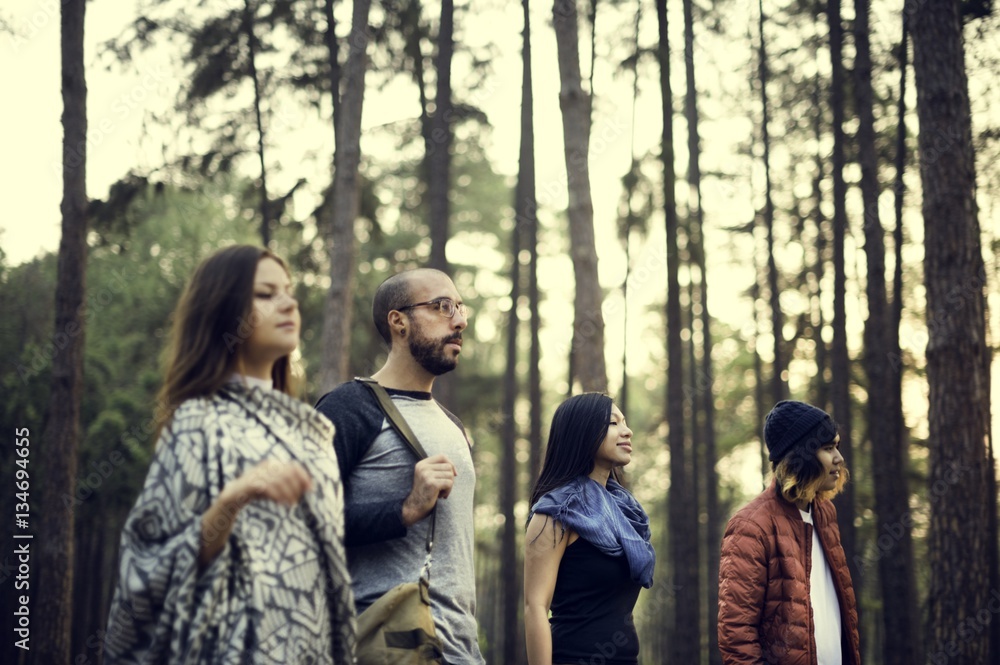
(825, 604)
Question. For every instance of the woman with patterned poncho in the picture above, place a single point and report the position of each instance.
(234, 551)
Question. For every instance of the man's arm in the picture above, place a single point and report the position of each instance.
(358, 421)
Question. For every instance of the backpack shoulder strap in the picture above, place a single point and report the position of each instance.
(394, 417)
(402, 428)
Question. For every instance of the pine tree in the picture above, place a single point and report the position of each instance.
(683, 506)
(884, 402)
(588, 321)
(957, 354)
(340, 243)
(57, 445)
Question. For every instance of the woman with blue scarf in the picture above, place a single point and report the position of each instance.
(587, 549)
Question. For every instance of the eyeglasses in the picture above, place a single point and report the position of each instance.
(445, 306)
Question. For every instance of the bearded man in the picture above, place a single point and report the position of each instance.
(388, 493)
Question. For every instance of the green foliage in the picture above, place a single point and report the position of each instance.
(134, 277)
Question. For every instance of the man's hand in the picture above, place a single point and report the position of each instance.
(433, 479)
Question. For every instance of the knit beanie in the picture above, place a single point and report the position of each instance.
(791, 425)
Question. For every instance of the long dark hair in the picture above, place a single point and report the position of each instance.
(577, 431)
(211, 323)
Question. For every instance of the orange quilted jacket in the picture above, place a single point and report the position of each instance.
(765, 617)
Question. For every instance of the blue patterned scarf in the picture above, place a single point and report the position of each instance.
(609, 519)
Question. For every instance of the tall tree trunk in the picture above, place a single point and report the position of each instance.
(534, 372)
(704, 386)
(954, 275)
(250, 19)
(526, 209)
(413, 50)
(525, 219)
(755, 296)
(840, 361)
(508, 465)
(438, 161)
(819, 268)
(758, 363)
(439, 148)
(994, 546)
(889, 461)
(571, 366)
(758, 375)
(592, 22)
(623, 392)
(588, 322)
(53, 566)
(779, 385)
(337, 366)
(88, 578)
(899, 191)
(693, 446)
(994, 527)
(82, 578)
(993, 538)
(683, 513)
(110, 533)
(436, 131)
(488, 581)
(338, 310)
(822, 351)
(630, 215)
(333, 53)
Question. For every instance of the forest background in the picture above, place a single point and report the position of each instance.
(218, 123)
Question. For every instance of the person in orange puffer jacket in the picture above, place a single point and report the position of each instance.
(785, 592)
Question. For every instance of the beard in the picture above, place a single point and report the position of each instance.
(430, 354)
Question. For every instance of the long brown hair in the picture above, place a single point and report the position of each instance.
(210, 324)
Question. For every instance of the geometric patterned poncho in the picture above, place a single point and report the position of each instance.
(279, 592)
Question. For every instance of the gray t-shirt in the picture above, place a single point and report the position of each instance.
(386, 554)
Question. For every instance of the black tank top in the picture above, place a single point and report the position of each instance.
(592, 608)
